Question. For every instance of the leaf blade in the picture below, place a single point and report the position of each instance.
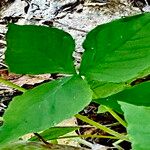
(123, 56)
(105, 89)
(49, 50)
(44, 107)
(138, 126)
(137, 95)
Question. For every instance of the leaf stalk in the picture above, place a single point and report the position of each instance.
(102, 127)
(12, 85)
(115, 115)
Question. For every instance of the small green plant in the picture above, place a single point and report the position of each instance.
(116, 54)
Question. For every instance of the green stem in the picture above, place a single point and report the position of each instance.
(88, 135)
(116, 117)
(97, 125)
(116, 144)
(12, 85)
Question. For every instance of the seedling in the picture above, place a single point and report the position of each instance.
(116, 54)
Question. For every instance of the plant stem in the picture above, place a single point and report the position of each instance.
(84, 142)
(97, 125)
(121, 121)
(88, 135)
(12, 85)
(116, 144)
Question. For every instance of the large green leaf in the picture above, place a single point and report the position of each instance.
(105, 89)
(113, 104)
(44, 107)
(138, 119)
(54, 133)
(137, 95)
(38, 49)
(118, 51)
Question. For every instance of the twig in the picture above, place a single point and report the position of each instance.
(67, 7)
(69, 27)
(42, 139)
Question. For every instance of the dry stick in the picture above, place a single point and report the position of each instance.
(104, 128)
(3, 64)
(146, 2)
(54, 20)
(68, 7)
(69, 27)
(42, 139)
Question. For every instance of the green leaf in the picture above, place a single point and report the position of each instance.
(113, 104)
(44, 107)
(118, 51)
(54, 133)
(105, 89)
(137, 95)
(138, 119)
(38, 49)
